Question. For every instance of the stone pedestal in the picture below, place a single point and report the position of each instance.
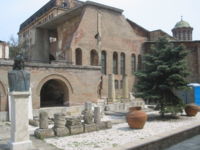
(111, 88)
(125, 93)
(19, 121)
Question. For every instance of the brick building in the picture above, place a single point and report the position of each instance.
(72, 47)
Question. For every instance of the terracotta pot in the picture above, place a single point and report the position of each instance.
(191, 109)
(136, 118)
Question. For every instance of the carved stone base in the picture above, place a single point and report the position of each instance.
(77, 129)
(90, 127)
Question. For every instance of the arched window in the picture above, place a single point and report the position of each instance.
(133, 63)
(121, 84)
(139, 62)
(78, 56)
(115, 63)
(116, 84)
(122, 63)
(103, 62)
(94, 58)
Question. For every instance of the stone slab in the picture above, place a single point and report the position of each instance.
(44, 133)
(90, 127)
(77, 129)
(108, 124)
(104, 125)
(101, 125)
(61, 131)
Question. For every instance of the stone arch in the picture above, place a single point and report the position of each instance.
(59, 91)
(3, 97)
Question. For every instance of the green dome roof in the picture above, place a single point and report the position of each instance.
(182, 24)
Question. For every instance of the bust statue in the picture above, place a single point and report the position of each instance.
(18, 79)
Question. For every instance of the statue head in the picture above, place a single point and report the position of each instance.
(18, 62)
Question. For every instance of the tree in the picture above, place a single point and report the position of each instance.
(164, 71)
(16, 47)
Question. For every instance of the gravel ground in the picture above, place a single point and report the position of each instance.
(120, 134)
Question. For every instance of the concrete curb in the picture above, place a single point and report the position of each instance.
(163, 141)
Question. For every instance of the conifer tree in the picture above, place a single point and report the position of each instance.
(164, 70)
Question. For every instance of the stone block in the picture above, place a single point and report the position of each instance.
(108, 124)
(43, 122)
(104, 125)
(61, 131)
(73, 121)
(34, 123)
(44, 133)
(101, 125)
(97, 115)
(77, 129)
(90, 127)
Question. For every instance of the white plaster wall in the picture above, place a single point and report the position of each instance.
(7, 52)
(1, 51)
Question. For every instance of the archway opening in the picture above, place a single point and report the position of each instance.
(54, 93)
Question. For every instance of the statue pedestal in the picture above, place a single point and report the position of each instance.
(19, 121)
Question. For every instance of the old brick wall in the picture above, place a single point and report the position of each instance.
(81, 82)
(117, 35)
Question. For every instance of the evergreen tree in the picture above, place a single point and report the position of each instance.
(164, 71)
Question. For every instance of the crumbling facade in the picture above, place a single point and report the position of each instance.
(76, 51)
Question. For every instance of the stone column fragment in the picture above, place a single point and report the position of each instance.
(44, 122)
(125, 93)
(111, 88)
(97, 115)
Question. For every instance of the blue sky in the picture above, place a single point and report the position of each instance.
(150, 14)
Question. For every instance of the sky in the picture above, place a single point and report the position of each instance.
(150, 14)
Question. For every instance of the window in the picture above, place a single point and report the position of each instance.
(94, 58)
(116, 84)
(139, 62)
(121, 84)
(103, 62)
(115, 63)
(64, 4)
(78, 56)
(122, 63)
(133, 63)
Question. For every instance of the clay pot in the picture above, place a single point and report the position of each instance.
(136, 118)
(191, 109)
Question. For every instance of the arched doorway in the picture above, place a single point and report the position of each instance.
(54, 93)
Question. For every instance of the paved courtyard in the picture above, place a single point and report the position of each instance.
(120, 135)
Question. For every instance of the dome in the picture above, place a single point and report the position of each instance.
(182, 24)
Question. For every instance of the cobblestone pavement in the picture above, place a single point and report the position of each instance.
(190, 144)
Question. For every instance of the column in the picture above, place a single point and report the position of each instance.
(125, 90)
(111, 88)
(19, 121)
